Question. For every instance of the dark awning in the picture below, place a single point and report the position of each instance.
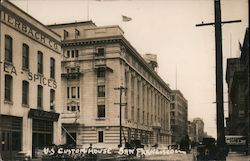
(43, 115)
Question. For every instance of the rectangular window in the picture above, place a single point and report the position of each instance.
(100, 73)
(73, 108)
(172, 106)
(8, 88)
(73, 92)
(52, 68)
(68, 92)
(40, 62)
(78, 92)
(65, 34)
(68, 53)
(100, 136)
(52, 99)
(132, 113)
(101, 111)
(25, 93)
(101, 91)
(77, 53)
(39, 96)
(100, 51)
(72, 53)
(8, 48)
(25, 56)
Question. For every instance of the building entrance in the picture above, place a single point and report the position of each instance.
(11, 136)
(42, 135)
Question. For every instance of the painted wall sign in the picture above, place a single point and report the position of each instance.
(29, 30)
(44, 115)
(11, 69)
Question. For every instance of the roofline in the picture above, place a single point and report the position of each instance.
(71, 23)
(133, 50)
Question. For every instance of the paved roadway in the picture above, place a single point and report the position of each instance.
(238, 157)
(172, 157)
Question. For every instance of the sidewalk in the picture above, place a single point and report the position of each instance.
(238, 157)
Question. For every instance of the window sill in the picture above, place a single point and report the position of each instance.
(25, 105)
(100, 118)
(26, 69)
(8, 102)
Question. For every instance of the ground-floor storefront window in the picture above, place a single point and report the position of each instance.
(11, 135)
(42, 134)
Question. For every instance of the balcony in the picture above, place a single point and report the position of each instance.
(72, 75)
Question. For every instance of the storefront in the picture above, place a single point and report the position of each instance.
(11, 135)
(42, 128)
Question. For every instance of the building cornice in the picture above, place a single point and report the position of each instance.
(116, 39)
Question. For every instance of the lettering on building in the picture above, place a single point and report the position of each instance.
(29, 31)
(9, 68)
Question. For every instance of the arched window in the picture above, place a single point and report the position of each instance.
(52, 68)
(25, 93)
(52, 99)
(8, 48)
(25, 64)
(8, 88)
(39, 96)
(40, 62)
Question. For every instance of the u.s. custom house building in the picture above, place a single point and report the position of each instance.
(97, 61)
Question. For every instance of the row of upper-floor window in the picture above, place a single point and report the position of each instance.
(74, 53)
(26, 57)
(146, 74)
(145, 118)
(8, 93)
(74, 92)
(100, 109)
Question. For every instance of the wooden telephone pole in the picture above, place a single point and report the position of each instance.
(221, 149)
(121, 89)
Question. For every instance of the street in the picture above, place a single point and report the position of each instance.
(237, 157)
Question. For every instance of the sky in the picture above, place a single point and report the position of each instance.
(185, 53)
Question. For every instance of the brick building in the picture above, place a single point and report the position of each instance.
(178, 116)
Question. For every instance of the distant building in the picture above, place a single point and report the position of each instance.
(30, 83)
(178, 116)
(196, 130)
(98, 60)
(237, 77)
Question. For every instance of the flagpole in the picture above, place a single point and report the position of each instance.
(176, 76)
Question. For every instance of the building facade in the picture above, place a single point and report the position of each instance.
(237, 77)
(29, 83)
(196, 130)
(101, 70)
(178, 116)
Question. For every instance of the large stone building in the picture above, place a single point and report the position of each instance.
(29, 83)
(196, 130)
(98, 60)
(237, 77)
(178, 116)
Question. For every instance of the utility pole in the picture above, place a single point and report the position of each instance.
(221, 155)
(121, 89)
